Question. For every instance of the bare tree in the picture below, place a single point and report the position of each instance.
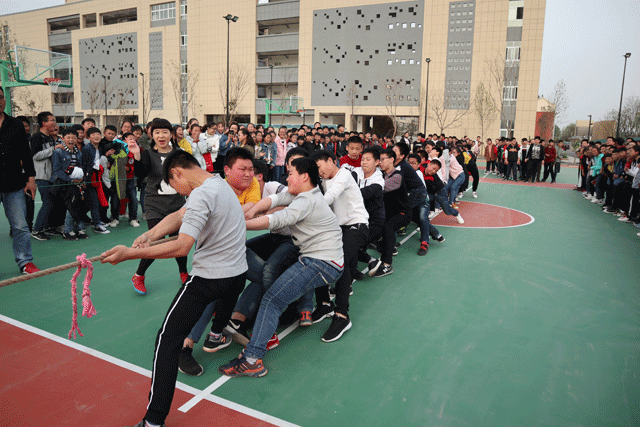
(484, 107)
(630, 118)
(393, 94)
(560, 99)
(29, 102)
(183, 83)
(444, 117)
(239, 84)
(499, 77)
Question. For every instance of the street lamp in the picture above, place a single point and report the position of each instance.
(105, 100)
(626, 56)
(229, 18)
(271, 87)
(426, 99)
(589, 131)
(144, 119)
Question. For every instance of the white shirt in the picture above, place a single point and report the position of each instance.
(343, 195)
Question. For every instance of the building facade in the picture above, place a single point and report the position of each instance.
(358, 62)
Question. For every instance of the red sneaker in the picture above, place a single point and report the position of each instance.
(183, 277)
(29, 268)
(273, 342)
(305, 318)
(138, 284)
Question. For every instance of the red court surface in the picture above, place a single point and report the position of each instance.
(482, 215)
(45, 383)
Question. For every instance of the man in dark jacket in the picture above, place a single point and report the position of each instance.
(15, 158)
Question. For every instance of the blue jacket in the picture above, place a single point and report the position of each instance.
(225, 144)
(88, 157)
(618, 169)
(61, 160)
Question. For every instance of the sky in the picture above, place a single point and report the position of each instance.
(584, 44)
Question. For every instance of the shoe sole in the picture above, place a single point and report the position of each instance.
(246, 374)
(305, 324)
(191, 375)
(237, 336)
(40, 238)
(384, 274)
(134, 288)
(373, 270)
(337, 337)
(220, 347)
(329, 314)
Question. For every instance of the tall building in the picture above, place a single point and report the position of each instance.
(363, 63)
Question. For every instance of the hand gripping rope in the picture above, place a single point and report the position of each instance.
(88, 310)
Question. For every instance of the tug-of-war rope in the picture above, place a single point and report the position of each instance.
(88, 310)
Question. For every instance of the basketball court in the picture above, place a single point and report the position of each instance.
(528, 314)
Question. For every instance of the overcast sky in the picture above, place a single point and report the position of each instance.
(584, 43)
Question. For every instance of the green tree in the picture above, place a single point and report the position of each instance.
(557, 132)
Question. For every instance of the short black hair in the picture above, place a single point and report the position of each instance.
(390, 153)
(308, 166)
(88, 120)
(374, 150)
(295, 151)
(437, 162)
(404, 148)
(323, 155)
(260, 167)
(415, 156)
(67, 131)
(159, 123)
(136, 127)
(77, 128)
(355, 139)
(91, 131)
(126, 134)
(439, 150)
(178, 159)
(43, 117)
(24, 119)
(236, 153)
(110, 127)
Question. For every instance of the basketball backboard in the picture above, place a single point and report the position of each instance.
(33, 66)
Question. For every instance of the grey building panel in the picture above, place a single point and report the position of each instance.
(60, 39)
(116, 58)
(280, 75)
(163, 22)
(457, 90)
(514, 34)
(279, 10)
(365, 54)
(277, 43)
(155, 70)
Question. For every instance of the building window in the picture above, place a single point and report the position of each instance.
(183, 9)
(183, 40)
(510, 94)
(519, 12)
(183, 67)
(163, 11)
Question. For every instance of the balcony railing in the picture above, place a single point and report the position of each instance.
(280, 75)
(282, 43)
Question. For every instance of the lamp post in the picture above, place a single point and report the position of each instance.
(144, 119)
(589, 131)
(426, 99)
(229, 18)
(626, 56)
(105, 100)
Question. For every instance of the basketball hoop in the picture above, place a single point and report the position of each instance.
(301, 112)
(53, 83)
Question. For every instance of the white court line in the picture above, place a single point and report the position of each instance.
(531, 221)
(137, 369)
(223, 379)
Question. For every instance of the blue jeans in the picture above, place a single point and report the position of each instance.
(453, 186)
(298, 281)
(198, 329)
(71, 225)
(426, 229)
(278, 171)
(15, 208)
(441, 200)
(268, 256)
(47, 204)
(131, 194)
(93, 203)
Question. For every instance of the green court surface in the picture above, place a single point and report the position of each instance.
(537, 325)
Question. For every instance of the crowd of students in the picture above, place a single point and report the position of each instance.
(608, 176)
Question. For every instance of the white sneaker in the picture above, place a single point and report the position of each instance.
(638, 234)
(475, 195)
(460, 195)
(624, 219)
(114, 223)
(438, 210)
(135, 223)
(432, 215)
(459, 219)
(594, 200)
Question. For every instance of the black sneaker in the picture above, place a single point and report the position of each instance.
(374, 264)
(358, 276)
(402, 231)
(82, 235)
(322, 311)
(424, 248)
(395, 251)
(101, 229)
(211, 345)
(69, 236)
(238, 331)
(384, 270)
(339, 325)
(187, 364)
(39, 235)
(54, 232)
(439, 239)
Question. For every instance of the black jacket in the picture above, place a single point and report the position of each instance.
(15, 155)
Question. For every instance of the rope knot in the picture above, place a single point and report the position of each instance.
(88, 310)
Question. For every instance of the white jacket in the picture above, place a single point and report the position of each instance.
(210, 144)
